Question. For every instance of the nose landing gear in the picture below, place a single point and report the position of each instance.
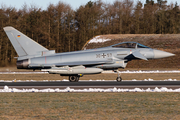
(118, 79)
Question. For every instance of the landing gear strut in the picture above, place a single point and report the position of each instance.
(73, 78)
(119, 79)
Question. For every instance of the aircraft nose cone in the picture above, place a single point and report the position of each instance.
(161, 54)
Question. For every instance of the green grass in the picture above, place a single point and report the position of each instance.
(123, 106)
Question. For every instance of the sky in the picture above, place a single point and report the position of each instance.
(44, 3)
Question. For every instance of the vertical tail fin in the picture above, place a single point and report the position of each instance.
(23, 45)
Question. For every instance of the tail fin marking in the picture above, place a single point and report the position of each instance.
(23, 45)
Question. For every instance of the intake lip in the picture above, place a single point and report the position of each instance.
(161, 54)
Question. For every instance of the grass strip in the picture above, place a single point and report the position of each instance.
(90, 106)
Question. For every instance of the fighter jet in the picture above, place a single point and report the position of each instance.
(32, 55)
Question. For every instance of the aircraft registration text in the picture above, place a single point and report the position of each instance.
(104, 55)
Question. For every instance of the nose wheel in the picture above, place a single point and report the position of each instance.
(118, 79)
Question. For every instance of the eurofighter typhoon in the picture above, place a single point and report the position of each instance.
(32, 55)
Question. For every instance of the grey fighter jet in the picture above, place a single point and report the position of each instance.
(76, 64)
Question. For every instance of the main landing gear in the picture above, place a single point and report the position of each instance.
(73, 78)
(118, 79)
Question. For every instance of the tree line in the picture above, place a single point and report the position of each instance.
(63, 29)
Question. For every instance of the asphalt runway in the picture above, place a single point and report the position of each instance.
(92, 84)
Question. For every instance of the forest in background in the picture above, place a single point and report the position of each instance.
(63, 29)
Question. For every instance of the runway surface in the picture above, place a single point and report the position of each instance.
(92, 84)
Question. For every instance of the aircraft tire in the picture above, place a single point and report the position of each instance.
(119, 79)
(73, 78)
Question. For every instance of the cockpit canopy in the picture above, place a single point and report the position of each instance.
(129, 45)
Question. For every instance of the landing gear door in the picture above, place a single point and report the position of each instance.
(121, 63)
